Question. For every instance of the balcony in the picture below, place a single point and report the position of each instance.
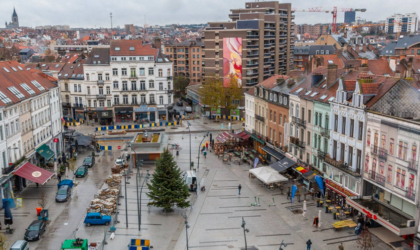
(260, 118)
(321, 155)
(376, 177)
(413, 165)
(101, 96)
(253, 46)
(8, 170)
(252, 55)
(100, 82)
(77, 105)
(251, 65)
(299, 121)
(325, 132)
(252, 36)
(169, 78)
(66, 104)
(269, 36)
(252, 74)
(296, 141)
(342, 166)
(410, 194)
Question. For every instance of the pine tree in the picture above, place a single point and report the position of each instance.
(167, 188)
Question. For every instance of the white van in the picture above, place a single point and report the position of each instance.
(190, 179)
(20, 245)
(188, 109)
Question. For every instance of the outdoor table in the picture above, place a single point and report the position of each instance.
(251, 156)
(344, 223)
(337, 207)
(253, 151)
(245, 159)
(330, 209)
(328, 201)
(246, 153)
(237, 154)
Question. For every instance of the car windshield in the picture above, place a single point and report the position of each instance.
(34, 227)
(62, 191)
(80, 170)
(119, 161)
(88, 160)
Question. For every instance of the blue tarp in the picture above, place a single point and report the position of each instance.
(65, 182)
(320, 183)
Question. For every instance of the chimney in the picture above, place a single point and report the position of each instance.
(364, 48)
(331, 73)
(356, 48)
(158, 43)
(409, 73)
(345, 32)
(279, 81)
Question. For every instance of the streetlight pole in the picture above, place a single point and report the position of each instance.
(186, 229)
(125, 187)
(137, 188)
(245, 231)
(141, 190)
(189, 125)
(199, 149)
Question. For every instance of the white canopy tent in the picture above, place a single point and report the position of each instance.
(267, 175)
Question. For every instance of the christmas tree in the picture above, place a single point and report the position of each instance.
(167, 188)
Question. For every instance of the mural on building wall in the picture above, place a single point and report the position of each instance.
(232, 60)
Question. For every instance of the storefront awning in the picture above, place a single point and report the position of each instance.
(223, 137)
(33, 173)
(124, 110)
(257, 139)
(273, 152)
(244, 135)
(284, 164)
(162, 112)
(144, 108)
(45, 152)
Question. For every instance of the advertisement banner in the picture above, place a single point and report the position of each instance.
(234, 112)
(215, 111)
(232, 60)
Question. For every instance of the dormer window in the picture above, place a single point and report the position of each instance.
(131, 48)
(117, 48)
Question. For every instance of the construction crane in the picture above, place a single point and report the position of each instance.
(333, 12)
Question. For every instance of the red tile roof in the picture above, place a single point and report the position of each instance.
(12, 78)
(271, 82)
(139, 49)
(379, 67)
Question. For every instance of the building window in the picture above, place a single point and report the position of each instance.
(350, 158)
(134, 99)
(88, 90)
(169, 72)
(133, 86)
(160, 86)
(351, 127)
(133, 72)
(124, 72)
(87, 77)
(100, 77)
(160, 72)
(107, 77)
(114, 72)
(75, 88)
(343, 125)
(116, 100)
(151, 71)
(142, 73)
(389, 175)
(115, 85)
(125, 99)
(101, 91)
(108, 90)
(124, 86)
(101, 103)
(391, 146)
(142, 85)
(152, 98)
(143, 99)
(161, 100)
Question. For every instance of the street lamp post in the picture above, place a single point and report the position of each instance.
(125, 187)
(141, 190)
(245, 231)
(199, 149)
(189, 129)
(186, 229)
(137, 188)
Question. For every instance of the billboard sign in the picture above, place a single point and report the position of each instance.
(232, 60)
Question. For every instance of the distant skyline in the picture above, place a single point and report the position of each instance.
(95, 13)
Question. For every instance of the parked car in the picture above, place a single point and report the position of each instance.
(180, 103)
(89, 161)
(63, 194)
(82, 171)
(188, 109)
(35, 230)
(97, 219)
(119, 161)
(20, 245)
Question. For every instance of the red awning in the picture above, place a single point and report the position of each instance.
(223, 137)
(244, 135)
(33, 173)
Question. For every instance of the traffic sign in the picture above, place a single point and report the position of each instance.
(119, 147)
(55, 140)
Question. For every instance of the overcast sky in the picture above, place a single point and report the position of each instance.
(95, 13)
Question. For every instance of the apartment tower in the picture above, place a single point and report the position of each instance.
(257, 43)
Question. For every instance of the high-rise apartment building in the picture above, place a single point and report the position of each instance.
(256, 44)
(188, 59)
(401, 23)
(349, 17)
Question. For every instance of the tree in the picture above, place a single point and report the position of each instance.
(43, 199)
(232, 93)
(212, 93)
(180, 83)
(364, 240)
(4, 244)
(167, 188)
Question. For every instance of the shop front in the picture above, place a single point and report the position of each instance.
(105, 117)
(92, 115)
(273, 155)
(79, 114)
(163, 115)
(124, 114)
(336, 193)
(45, 155)
(145, 114)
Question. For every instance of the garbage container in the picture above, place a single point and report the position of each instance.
(38, 210)
(326, 209)
(317, 203)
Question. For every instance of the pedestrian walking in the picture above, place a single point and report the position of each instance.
(341, 247)
(288, 194)
(205, 154)
(37, 184)
(308, 244)
(59, 177)
(239, 189)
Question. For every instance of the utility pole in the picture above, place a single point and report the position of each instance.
(137, 188)
(141, 190)
(186, 228)
(189, 125)
(245, 231)
(126, 212)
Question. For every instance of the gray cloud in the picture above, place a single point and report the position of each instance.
(95, 13)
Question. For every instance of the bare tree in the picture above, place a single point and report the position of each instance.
(4, 242)
(42, 199)
(364, 240)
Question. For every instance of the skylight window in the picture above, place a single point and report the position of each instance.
(331, 99)
(36, 84)
(307, 93)
(131, 48)
(314, 94)
(73, 75)
(14, 69)
(28, 69)
(323, 86)
(299, 90)
(323, 97)
(4, 98)
(117, 48)
(5, 69)
(27, 88)
(96, 56)
(57, 65)
(59, 74)
(66, 75)
(16, 92)
(19, 67)
(43, 65)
